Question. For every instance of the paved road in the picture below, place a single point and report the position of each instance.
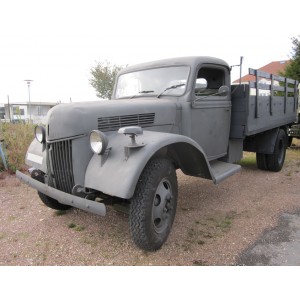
(277, 247)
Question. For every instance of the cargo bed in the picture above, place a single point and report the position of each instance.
(258, 107)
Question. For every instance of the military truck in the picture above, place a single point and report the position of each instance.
(179, 113)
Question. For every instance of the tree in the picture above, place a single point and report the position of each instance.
(103, 78)
(292, 70)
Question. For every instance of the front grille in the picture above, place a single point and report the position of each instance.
(114, 123)
(61, 167)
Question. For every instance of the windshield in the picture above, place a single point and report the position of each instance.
(153, 82)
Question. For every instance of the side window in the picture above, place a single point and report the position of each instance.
(208, 81)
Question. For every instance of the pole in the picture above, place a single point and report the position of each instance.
(28, 84)
(8, 107)
(241, 63)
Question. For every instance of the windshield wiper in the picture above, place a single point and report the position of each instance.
(141, 92)
(170, 88)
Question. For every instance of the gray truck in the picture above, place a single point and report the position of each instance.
(171, 114)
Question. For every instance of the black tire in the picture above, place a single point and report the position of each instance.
(275, 161)
(153, 206)
(52, 203)
(289, 141)
(261, 161)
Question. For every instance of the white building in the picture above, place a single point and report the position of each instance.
(16, 112)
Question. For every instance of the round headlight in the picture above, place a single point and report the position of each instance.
(98, 141)
(40, 134)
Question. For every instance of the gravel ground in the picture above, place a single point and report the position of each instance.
(213, 224)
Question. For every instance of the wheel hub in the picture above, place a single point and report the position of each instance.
(162, 205)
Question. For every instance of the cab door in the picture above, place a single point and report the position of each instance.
(211, 112)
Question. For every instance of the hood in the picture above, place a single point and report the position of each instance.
(70, 120)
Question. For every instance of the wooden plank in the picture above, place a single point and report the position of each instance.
(259, 73)
(278, 78)
(279, 88)
(261, 86)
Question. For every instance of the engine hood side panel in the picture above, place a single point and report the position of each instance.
(71, 120)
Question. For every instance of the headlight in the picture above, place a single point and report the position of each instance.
(40, 134)
(98, 141)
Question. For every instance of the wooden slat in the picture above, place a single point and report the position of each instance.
(259, 73)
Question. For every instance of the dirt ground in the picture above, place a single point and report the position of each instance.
(213, 223)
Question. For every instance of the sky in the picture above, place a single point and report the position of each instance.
(56, 43)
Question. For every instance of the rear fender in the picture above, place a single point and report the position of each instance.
(117, 172)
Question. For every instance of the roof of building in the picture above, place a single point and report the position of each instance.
(33, 103)
(273, 68)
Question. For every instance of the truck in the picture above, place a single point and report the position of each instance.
(166, 115)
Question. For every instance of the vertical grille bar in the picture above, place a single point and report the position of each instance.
(61, 158)
(56, 173)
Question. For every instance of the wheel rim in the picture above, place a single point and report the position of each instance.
(162, 206)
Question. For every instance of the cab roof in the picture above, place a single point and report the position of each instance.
(192, 61)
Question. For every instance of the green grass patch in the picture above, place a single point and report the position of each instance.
(17, 138)
(225, 224)
(248, 160)
(79, 228)
(60, 212)
(76, 227)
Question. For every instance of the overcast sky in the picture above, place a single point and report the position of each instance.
(55, 43)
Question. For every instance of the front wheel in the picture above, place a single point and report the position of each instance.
(153, 206)
(52, 203)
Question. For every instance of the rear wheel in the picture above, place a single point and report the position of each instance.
(52, 203)
(153, 206)
(275, 161)
(289, 141)
(261, 161)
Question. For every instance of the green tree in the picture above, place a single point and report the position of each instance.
(292, 70)
(103, 78)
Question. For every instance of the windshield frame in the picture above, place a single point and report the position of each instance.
(156, 93)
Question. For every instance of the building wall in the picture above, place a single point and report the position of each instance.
(20, 112)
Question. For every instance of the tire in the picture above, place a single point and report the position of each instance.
(261, 161)
(275, 161)
(289, 141)
(52, 203)
(153, 206)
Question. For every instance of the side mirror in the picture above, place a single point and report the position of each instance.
(223, 90)
(201, 83)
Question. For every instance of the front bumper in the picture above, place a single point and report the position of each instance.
(64, 198)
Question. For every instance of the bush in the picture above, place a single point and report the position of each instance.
(17, 138)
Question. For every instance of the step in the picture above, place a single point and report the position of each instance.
(221, 170)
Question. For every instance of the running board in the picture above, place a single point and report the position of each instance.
(221, 170)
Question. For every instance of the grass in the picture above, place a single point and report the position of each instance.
(208, 228)
(60, 212)
(76, 227)
(17, 138)
(248, 160)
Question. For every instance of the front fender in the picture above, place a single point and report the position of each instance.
(115, 173)
(36, 156)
